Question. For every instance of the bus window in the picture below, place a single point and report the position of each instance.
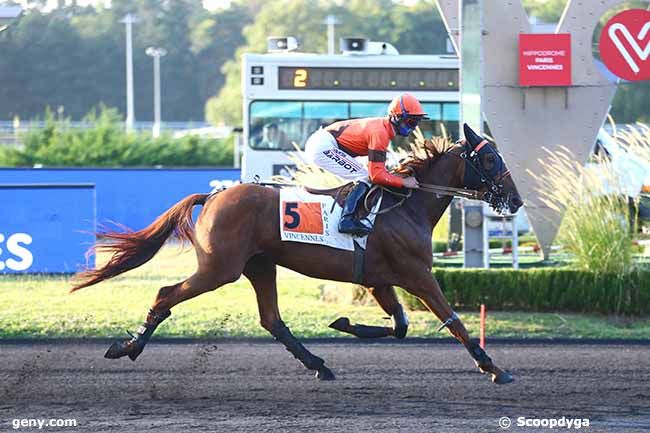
(433, 110)
(431, 126)
(368, 109)
(318, 114)
(451, 117)
(275, 125)
(327, 111)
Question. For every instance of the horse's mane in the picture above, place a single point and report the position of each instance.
(424, 152)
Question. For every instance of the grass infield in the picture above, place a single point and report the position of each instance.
(40, 306)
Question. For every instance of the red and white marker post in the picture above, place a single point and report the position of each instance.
(482, 329)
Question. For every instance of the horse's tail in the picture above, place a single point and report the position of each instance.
(133, 249)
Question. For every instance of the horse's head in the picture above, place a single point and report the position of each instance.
(486, 172)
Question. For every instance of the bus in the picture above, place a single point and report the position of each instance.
(288, 95)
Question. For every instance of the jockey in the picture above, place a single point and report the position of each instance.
(336, 147)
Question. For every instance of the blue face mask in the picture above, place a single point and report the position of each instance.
(406, 126)
(404, 130)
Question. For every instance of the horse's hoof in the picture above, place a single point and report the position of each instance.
(325, 373)
(502, 377)
(123, 348)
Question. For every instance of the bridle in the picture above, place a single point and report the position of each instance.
(493, 179)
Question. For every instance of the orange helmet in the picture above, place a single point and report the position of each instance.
(405, 105)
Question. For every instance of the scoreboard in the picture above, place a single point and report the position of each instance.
(398, 79)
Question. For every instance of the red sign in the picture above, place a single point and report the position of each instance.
(625, 44)
(545, 59)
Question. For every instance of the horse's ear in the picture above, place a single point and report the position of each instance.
(472, 137)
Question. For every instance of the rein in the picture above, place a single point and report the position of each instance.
(426, 187)
(451, 191)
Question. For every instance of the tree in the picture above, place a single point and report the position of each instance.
(74, 57)
(214, 40)
(548, 11)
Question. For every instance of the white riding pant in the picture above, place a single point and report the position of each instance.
(322, 150)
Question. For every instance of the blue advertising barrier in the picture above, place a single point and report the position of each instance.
(46, 228)
(130, 197)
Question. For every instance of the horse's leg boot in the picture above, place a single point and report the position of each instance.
(281, 333)
(400, 321)
(362, 331)
(133, 347)
(485, 364)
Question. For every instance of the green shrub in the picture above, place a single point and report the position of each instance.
(106, 144)
(543, 289)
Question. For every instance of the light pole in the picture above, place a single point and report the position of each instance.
(330, 21)
(129, 20)
(8, 14)
(156, 53)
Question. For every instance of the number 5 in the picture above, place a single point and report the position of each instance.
(300, 78)
(290, 211)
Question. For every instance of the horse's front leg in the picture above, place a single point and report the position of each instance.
(429, 292)
(387, 300)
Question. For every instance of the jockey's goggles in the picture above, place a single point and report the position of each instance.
(412, 121)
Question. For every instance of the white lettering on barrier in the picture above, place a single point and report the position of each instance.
(15, 247)
(219, 184)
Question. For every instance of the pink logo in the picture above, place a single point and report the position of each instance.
(625, 44)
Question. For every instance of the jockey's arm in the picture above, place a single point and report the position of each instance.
(377, 165)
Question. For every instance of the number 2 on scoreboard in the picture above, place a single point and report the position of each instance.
(300, 78)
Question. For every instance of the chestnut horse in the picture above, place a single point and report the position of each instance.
(238, 233)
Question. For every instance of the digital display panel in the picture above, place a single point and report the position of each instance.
(298, 78)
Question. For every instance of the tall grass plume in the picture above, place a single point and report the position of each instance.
(596, 227)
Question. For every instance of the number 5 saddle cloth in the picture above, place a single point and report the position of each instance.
(312, 216)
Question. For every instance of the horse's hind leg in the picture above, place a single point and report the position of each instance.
(262, 274)
(167, 297)
(387, 300)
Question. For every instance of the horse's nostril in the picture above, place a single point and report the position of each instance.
(516, 201)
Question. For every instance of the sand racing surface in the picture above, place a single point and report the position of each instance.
(256, 386)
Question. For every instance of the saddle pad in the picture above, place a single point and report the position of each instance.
(314, 219)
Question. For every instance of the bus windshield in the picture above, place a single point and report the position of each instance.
(282, 125)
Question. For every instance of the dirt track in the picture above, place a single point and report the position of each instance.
(252, 387)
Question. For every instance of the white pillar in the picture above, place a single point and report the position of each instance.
(330, 21)
(128, 20)
(156, 53)
(156, 96)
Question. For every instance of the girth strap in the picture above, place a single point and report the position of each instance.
(359, 264)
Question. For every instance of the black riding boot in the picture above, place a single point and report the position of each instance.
(349, 223)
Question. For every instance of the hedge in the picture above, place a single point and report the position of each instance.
(543, 289)
(106, 144)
